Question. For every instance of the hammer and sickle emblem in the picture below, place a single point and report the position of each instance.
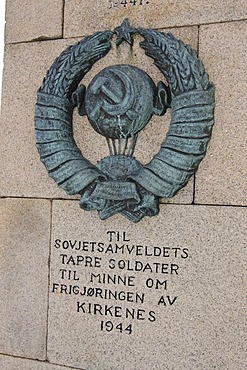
(119, 102)
(113, 104)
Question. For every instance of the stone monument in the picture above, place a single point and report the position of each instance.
(82, 286)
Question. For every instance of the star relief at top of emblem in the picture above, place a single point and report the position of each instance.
(124, 33)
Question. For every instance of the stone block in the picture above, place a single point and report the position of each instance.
(14, 363)
(29, 20)
(221, 178)
(164, 293)
(83, 19)
(25, 66)
(24, 242)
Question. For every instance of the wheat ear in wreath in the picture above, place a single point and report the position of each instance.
(53, 114)
(192, 115)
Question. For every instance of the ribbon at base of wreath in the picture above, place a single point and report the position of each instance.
(111, 197)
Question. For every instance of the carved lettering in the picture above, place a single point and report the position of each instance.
(103, 274)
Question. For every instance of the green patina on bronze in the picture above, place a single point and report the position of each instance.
(119, 102)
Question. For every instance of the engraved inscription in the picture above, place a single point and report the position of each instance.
(126, 3)
(117, 281)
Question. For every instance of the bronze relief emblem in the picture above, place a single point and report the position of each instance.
(119, 102)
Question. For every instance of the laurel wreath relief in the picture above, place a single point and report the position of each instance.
(192, 107)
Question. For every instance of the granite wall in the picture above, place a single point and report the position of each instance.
(190, 316)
